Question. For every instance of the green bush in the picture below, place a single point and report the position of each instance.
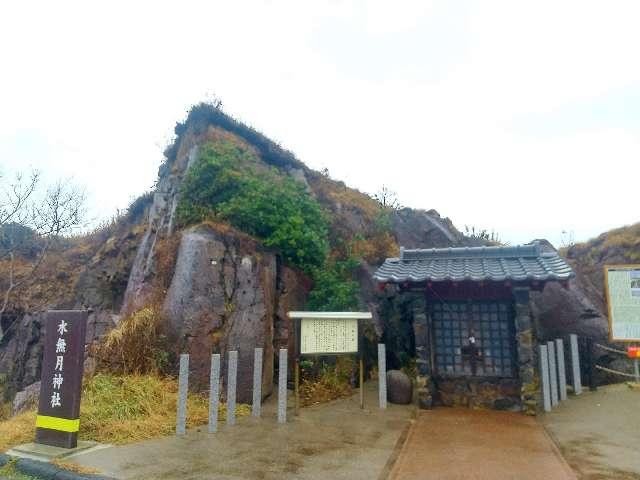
(334, 287)
(227, 184)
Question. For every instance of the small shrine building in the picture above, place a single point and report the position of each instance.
(475, 338)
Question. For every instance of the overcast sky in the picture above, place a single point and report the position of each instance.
(523, 117)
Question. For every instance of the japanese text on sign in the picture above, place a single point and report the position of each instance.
(328, 335)
(623, 293)
(61, 349)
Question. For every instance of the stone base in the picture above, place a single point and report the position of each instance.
(46, 453)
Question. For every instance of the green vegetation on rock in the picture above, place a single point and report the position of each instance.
(228, 184)
(335, 289)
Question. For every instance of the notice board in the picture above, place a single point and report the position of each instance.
(622, 286)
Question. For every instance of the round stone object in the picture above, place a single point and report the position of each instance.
(399, 387)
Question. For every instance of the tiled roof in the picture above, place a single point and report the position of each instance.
(518, 263)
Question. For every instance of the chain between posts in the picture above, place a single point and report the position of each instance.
(615, 371)
(614, 350)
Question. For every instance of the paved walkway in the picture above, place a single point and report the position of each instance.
(599, 432)
(337, 441)
(459, 443)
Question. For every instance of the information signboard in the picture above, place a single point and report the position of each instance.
(328, 333)
(58, 417)
(622, 285)
(328, 336)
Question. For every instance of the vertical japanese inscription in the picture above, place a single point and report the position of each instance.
(62, 366)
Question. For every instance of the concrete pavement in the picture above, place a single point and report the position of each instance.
(335, 440)
(599, 432)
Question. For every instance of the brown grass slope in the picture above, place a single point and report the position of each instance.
(618, 246)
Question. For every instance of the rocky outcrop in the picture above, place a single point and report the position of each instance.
(21, 353)
(424, 229)
(21, 350)
(560, 310)
(292, 291)
(102, 282)
(160, 224)
(26, 399)
(563, 309)
(223, 297)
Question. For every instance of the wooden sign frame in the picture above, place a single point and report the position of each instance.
(606, 269)
(297, 317)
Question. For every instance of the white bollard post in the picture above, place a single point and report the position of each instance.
(382, 375)
(183, 388)
(214, 392)
(282, 386)
(553, 372)
(544, 377)
(232, 374)
(562, 373)
(257, 383)
(575, 364)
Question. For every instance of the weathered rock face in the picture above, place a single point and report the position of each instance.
(292, 291)
(101, 285)
(222, 297)
(561, 311)
(26, 398)
(422, 229)
(399, 387)
(21, 352)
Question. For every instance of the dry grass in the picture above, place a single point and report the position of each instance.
(122, 409)
(333, 382)
(74, 467)
(135, 346)
(17, 430)
(376, 248)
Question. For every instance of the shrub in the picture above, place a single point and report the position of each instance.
(334, 287)
(227, 184)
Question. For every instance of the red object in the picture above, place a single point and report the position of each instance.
(633, 352)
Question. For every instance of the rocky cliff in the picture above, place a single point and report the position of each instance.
(219, 288)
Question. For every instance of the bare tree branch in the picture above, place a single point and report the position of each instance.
(59, 211)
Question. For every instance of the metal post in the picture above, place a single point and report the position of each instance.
(544, 375)
(553, 373)
(590, 365)
(282, 386)
(232, 374)
(562, 373)
(256, 406)
(382, 375)
(214, 392)
(361, 383)
(575, 364)
(636, 370)
(183, 388)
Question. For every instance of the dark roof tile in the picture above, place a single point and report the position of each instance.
(518, 263)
